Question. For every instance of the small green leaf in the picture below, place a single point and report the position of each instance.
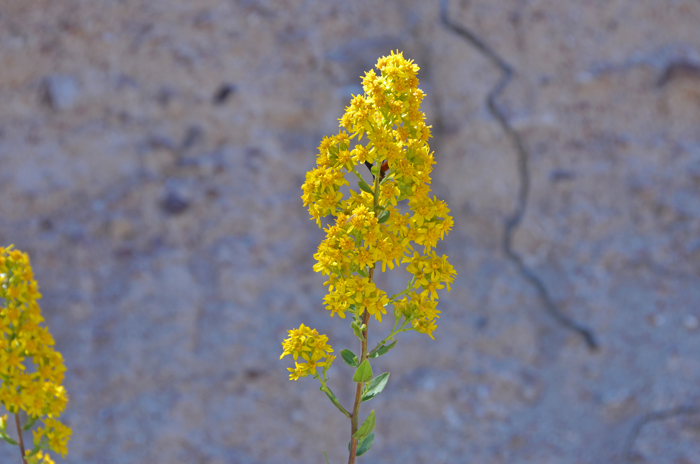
(30, 423)
(362, 273)
(363, 185)
(367, 426)
(363, 373)
(357, 329)
(382, 350)
(383, 217)
(324, 453)
(350, 358)
(364, 445)
(376, 386)
(8, 439)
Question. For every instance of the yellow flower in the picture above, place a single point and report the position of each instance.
(38, 390)
(312, 347)
(382, 220)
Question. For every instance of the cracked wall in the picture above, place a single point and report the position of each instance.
(151, 155)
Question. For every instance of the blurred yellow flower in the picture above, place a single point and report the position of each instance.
(31, 371)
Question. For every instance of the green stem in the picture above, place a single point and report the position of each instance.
(332, 397)
(408, 289)
(391, 336)
(354, 171)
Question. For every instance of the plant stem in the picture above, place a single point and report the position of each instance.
(21, 442)
(355, 418)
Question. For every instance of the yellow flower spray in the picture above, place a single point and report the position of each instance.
(33, 387)
(380, 223)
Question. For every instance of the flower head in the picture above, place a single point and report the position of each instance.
(31, 371)
(388, 216)
(313, 349)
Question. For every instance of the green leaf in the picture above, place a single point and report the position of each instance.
(382, 350)
(363, 373)
(364, 445)
(324, 453)
(8, 439)
(357, 329)
(376, 386)
(383, 217)
(367, 426)
(30, 423)
(363, 185)
(362, 273)
(350, 358)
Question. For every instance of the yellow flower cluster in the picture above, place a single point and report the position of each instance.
(373, 227)
(313, 349)
(33, 387)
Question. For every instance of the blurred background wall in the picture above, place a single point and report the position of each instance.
(151, 157)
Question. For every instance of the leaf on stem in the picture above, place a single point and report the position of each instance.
(357, 328)
(34, 452)
(367, 426)
(382, 350)
(363, 373)
(350, 358)
(30, 423)
(363, 445)
(8, 439)
(383, 216)
(363, 185)
(376, 386)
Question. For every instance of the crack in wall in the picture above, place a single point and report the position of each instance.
(515, 219)
(652, 417)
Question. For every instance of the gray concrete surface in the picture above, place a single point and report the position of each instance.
(151, 157)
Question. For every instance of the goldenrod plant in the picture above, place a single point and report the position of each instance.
(31, 371)
(383, 223)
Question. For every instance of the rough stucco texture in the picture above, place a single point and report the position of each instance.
(151, 157)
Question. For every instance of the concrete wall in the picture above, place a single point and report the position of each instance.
(151, 157)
